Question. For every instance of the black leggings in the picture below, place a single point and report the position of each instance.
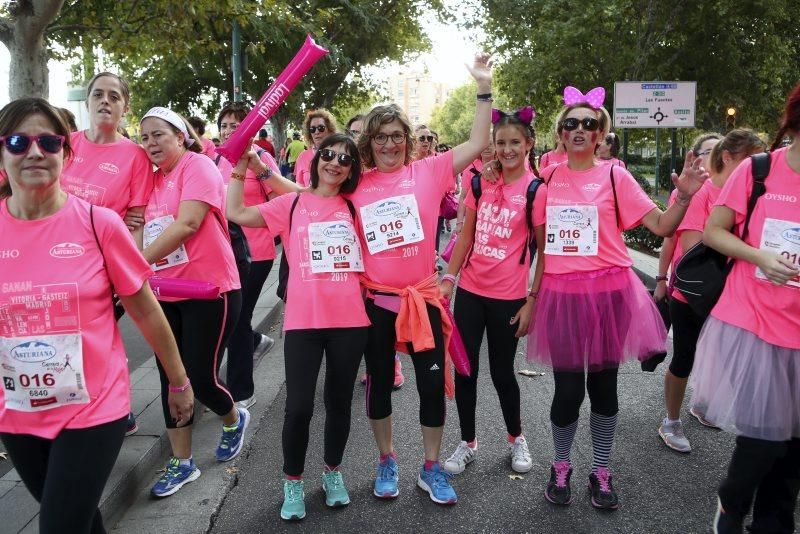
(473, 315)
(428, 367)
(66, 475)
(768, 471)
(303, 350)
(571, 388)
(686, 326)
(242, 341)
(201, 328)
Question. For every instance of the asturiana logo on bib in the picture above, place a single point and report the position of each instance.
(518, 199)
(387, 208)
(33, 351)
(109, 168)
(67, 250)
(337, 231)
(570, 215)
(792, 235)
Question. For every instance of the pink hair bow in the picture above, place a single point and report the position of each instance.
(525, 115)
(595, 97)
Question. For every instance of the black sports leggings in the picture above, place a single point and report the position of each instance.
(66, 475)
(571, 389)
(303, 350)
(201, 329)
(686, 327)
(241, 343)
(474, 314)
(428, 367)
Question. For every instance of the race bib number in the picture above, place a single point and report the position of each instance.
(783, 238)
(391, 223)
(334, 248)
(155, 228)
(572, 230)
(42, 372)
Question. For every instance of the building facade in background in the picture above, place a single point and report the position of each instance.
(415, 91)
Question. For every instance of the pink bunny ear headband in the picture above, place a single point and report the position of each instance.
(594, 98)
(525, 115)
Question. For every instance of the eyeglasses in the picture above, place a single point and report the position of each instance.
(345, 160)
(354, 133)
(589, 124)
(382, 138)
(19, 144)
(314, 129)
(704, 153)
(424, 138)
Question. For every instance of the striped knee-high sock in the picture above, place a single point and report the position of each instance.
(603, 428)
(563, 436)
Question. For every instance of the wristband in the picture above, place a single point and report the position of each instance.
(485, 96)
(173, 389)
(265, 174)
(661, 278)
(236, 176)
(449, 277)
(533, 294)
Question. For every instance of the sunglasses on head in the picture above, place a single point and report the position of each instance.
(20, 144)
(424, 138)
(314, 129)
(589, 124)
(345, 160)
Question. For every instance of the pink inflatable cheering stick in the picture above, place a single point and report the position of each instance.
(185, 289)
(301, 63)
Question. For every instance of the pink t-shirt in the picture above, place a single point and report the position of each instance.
(467, 174)
(612, 161)
(314, 300)
(501, 233)
(552, 158)
(427, 180)
(52, 281)
(115, 175)
(302, 167)
(592, 187)
(209, 250)
(208, 147)
(771, 312)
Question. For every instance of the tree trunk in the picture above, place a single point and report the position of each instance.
(279, 121)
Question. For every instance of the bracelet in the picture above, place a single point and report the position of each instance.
(449, 277)
(533, 294)
(173, 389)
(485, 96)
(661, 278)
(265, 174)
(236, 176)
(683, 202)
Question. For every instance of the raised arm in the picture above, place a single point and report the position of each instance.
(466, 152)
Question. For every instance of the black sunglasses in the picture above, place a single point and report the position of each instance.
(314, 129)
(428, 138)
(20, 144)
(345, 160)
(589, 124)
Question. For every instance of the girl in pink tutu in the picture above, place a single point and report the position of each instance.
(747, 372)
(592, 313)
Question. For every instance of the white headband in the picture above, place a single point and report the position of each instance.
(172, 118)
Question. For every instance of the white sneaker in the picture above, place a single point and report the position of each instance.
(520, 456)
(458, 461)
(246, 403)
(263, 347)
(673, 436)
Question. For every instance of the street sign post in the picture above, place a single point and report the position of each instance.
(654, 104)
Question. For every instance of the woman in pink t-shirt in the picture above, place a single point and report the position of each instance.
(324, 307)
(686, 324)
(318, 125)
(747, 374)
(66, 392)
(493, 291)
(608, 151)
(185, 236)
(592, 312)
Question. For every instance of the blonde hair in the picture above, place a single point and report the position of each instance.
(321, 113)
(738, 141)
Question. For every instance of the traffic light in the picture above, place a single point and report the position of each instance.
(730, 118)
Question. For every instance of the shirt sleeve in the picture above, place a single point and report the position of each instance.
(539, 213)
(736, 192)
(142, 179)
(202, 181)
(632, 201)
(276, 214)
(126, 267)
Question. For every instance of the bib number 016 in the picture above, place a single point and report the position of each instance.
(45, 380)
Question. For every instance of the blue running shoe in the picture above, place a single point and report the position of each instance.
(437, 483)
(230, 444)
(175, 477)
(386, 481)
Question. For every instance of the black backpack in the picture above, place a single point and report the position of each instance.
(283, 269)
(530, 196)
(701, 272)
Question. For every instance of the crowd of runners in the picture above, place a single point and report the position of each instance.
(95, 225)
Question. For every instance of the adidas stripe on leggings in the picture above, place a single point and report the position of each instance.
(201, 329)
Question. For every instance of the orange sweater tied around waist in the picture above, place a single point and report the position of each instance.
(413, 324)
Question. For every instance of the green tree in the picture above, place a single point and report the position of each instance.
(453, 119)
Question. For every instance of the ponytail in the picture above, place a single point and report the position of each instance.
(776, 144)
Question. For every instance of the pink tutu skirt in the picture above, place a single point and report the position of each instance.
(594, 320)
(745, 385)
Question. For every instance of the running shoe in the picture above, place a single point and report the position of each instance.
(232, 440)
(132, 427)
(175, 477)
(264, 346)
(399, 379)
(725, 523)
(386, 481)
(558, 490)
(246, 403)
(294, 507)
(701, 418)
(463, 455)
(437, 483)
(673, 436)
(520, 456)
(335, 492)
(603, 494)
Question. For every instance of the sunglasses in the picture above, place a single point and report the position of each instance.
(19, 144)
(589, 124)
(424, 138)
(314, 129)
(354, 133)
(382, 138)
(345, 160)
